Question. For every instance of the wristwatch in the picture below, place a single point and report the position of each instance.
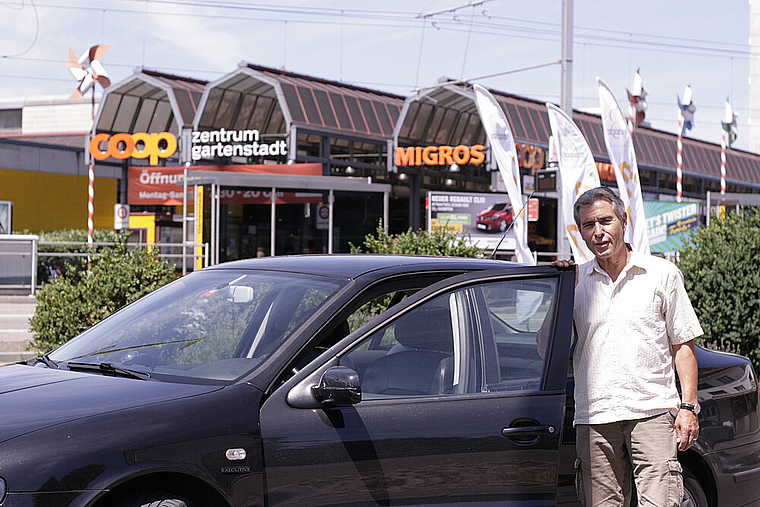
(695, 409)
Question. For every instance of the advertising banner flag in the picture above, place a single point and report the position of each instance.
(579, 173)
(619, 143)
(503, 148)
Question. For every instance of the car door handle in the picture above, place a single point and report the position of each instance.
(528, 431)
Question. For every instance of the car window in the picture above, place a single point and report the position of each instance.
(516, 330)
(373, 308)
(427, 351)
(363, 308)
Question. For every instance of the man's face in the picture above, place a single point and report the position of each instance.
(602, 230)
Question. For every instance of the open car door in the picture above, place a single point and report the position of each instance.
(462, 400)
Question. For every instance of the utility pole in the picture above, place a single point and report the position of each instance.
(566, 90)
(566, 103)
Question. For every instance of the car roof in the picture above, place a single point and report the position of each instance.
(350, 266)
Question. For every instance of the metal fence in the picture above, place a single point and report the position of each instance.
(25, 261)
(18, 261)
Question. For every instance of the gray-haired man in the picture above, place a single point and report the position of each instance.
(634, 322)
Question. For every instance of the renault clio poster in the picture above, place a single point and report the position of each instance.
(482, 219)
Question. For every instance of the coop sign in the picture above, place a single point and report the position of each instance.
(138, 145)
(208, 144)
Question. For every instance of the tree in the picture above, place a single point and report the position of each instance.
(76, 300)
(421, 242)
(721, 275)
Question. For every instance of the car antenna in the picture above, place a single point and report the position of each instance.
(493, 252)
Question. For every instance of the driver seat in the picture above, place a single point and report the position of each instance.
(425, 366)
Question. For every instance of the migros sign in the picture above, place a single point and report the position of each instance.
(440, 155)
(528, 156)
(137, 145)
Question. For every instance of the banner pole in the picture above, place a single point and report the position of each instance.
(679, 159)
(722, 162)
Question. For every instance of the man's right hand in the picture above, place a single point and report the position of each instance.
(563, 263)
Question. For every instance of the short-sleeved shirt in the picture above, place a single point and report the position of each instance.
(623, 361)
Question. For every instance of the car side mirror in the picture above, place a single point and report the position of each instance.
(339, 386)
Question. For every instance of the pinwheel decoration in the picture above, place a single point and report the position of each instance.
(637, 100)
(88, 70)
(687, 108)
(729, 123)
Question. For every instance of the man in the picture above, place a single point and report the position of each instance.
(634, 322)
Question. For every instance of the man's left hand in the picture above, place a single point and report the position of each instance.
(687, 429)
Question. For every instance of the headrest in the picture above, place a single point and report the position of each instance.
(426, 328)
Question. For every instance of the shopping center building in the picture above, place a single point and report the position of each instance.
(338, 159)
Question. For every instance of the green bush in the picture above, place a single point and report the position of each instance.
(78, 299)
(721, 274)
(417, 243)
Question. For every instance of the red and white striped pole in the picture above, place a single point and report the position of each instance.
(90, 207)
(679, 159)
(723, 161)
(91, 191)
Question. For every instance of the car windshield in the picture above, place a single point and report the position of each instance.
(213, 325)
(498, 207)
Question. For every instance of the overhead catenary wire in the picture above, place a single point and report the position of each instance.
(488, 26)
(493, 25)
(36, 27)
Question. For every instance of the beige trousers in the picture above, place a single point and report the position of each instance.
(608, 454)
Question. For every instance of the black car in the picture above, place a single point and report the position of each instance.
(335, 380)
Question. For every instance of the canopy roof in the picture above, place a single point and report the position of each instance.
(271, 100)
(274, 101)
(150, 101)
(445, 114)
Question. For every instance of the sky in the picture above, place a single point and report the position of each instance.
(399, 46)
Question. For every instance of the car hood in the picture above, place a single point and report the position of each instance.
(488, 213)
(35, 398)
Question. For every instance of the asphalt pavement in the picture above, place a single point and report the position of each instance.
(15, 312)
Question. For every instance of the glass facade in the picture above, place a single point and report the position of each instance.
(356, 215)
(298, 227)
(300, 217)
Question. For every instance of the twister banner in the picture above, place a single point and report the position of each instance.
(503, 149)
(670, 224)
(579, 173)
(619, 143)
